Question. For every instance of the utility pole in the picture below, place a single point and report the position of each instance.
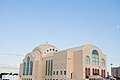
(111, 68)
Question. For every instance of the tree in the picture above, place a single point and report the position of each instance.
(15, 74)
(0, 75)
(10, 74)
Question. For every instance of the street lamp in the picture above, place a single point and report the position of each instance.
(111, 68)
(111, 65)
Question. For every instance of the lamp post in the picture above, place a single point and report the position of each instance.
(111, 65)
(111, 68)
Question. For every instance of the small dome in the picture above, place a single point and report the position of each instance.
(45, 48)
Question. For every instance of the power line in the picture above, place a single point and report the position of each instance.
(11, 54)
(8, 68)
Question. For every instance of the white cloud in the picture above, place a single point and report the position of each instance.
(9, 68)
(118, 26)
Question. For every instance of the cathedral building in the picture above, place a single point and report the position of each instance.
(47, 62)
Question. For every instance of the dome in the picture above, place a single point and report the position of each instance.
(45, 49)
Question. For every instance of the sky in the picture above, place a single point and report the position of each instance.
(25, 24)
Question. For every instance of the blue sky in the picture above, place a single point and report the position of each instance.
(25, 24)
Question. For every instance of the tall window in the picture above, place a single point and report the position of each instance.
(24, 68)
(46, 68)
(51, 67)
(95, 57)
(56, 72)
(53, 72)
(28, 62)
(60, 72)
(87, 60)
(31, 67)
(102, 72)
(103, 62)
(64, 72)
(87, 72)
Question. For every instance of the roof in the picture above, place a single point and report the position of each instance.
(44, 49)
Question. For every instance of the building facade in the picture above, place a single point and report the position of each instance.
(47, 62)
(115, 71)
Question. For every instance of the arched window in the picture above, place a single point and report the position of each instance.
(31, 67)
(103, 62)
(87, 60)
(95, 57)
(28, 62)
(24, 68)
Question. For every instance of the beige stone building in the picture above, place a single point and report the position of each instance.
(115, 71)
(47, 62)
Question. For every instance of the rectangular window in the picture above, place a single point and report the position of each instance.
(60, 72)
(71, 75)
(64, 72)
(56, 72)
(88, 71)
(53, 72)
